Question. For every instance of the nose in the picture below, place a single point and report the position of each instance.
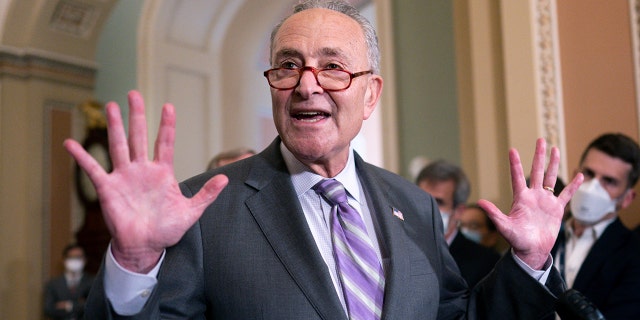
(308, 83)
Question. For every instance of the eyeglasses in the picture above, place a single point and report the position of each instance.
(327, 79)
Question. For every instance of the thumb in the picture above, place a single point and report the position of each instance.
(495, 214)
(210, 191)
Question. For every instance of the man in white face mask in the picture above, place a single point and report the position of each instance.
(449, 185)
(65, 295)
(596, 254)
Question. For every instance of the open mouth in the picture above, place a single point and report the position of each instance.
(310, 116)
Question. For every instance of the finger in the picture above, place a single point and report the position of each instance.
(518, 182)
(551, 174)
(498, 218)
(569, 190)
(89, 165)
(537, 167)
(209, 191)
(137, 127)
(166, 135)
(118, 147)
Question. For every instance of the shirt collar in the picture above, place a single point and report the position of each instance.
(304, 178)
(597, 229)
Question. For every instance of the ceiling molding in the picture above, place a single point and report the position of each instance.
(35, 64)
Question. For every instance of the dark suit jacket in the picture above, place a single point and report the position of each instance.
(474, 261)
(252, 256)
(56, 290)
(610, 274)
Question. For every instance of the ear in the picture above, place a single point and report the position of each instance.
(372, 95)
(627, 199)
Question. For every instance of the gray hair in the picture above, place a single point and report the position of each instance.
(442, 170)
(345, 8)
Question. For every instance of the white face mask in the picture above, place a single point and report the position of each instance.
(445, 219)
(74, 264)
(591, 202)
(472, 235)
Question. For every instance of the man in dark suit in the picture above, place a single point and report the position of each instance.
(596, 253)
(65, 296)
(449, 186)
(264, 248)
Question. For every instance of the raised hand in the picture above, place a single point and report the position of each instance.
(141, 202)
(532, 225)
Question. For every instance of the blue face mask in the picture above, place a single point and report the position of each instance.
(472, 235)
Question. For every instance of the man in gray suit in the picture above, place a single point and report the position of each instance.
(263, 249)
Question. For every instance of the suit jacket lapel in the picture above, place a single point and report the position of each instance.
(278, 212)
(392, 242)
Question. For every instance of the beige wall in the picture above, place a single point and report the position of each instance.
(30, 249)
(597, 75)
(481, 97)
(44, 74)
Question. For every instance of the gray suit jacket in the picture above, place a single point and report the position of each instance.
(252, 256)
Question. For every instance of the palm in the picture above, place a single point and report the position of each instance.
(141, 201)
(532, 225)
(126, 191)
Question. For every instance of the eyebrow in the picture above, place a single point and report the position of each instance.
(605, 177)
(287, 53)
(333, 52)
(324, 52)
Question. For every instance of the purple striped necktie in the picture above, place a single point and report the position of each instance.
(360, 270)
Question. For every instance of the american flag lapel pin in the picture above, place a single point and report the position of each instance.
(398, 214)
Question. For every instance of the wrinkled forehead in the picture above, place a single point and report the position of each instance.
(317, 33)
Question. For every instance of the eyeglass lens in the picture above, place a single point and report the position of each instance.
(328, 79)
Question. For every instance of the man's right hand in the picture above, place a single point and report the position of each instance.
(141, 201)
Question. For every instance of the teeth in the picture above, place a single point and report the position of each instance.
(310, 115)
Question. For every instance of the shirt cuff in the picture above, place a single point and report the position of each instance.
(128, 291)
(540, 275)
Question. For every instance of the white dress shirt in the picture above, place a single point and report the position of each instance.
(576, 248)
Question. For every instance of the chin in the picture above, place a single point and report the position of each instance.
(308, 151)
